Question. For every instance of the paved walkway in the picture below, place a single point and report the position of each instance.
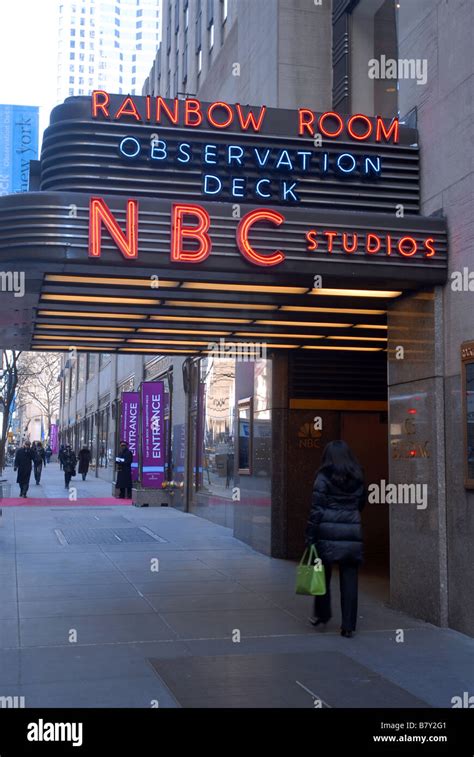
(128, 607)
(51, 485)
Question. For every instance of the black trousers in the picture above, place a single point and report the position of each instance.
(38, 471)
(24, 488)
(67, 478)
(125, 493)
(348, 574)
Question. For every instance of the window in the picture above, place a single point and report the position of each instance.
(72, 56)
(139, 24)
(210, 12)
(139, 35)
(199, 61)
(73, 32)
(82, 33)
(186, 17)
(168, 29)
(198, 31)
(117, 22)
(82, 45)
(72, 44)
(104, 359)
(213, 422)
(224, 10)
(139, 13)
(71, 92)
(71, 80)
(211, 36)
(176, 16)
(185, 61)
(244, 436)
(373, 30)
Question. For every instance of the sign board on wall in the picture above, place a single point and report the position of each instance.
(129, 421)
(18, 145)
(153, 434)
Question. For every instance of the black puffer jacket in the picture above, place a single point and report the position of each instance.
(334, 524)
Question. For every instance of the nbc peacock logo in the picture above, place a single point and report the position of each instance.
(309, 437)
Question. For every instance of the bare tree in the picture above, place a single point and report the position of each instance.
(8, 386)
(39, 383)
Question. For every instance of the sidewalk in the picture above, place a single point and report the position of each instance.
(52, 487)
(129, 607)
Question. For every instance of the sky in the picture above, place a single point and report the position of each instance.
(28, 54)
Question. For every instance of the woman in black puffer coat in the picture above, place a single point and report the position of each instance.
(334, 526)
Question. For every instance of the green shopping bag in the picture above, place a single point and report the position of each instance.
(310, 576)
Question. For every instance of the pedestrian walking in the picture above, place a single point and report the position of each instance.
(84, 461)
(124, 461)
(334, 527)
(69, 465)
(60, 455)
(48, 453)
(23, 464)
(39, 460)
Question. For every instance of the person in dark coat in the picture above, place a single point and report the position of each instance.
(69, 465)
(39, 460)
(60, 455)
(124, 462)
(48, 453)
(23, 464)
(84, 461)
(334, 527)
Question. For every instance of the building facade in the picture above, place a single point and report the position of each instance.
(105, 44)
(249, 434)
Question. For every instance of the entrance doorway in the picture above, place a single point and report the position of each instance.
(366, 432)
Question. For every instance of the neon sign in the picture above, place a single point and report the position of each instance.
(273, 162)
(191, 236)
(221, 115)
(241, 170)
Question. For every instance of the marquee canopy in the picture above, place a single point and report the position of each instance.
(275, 240)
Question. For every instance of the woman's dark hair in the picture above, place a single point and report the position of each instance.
(340, 464)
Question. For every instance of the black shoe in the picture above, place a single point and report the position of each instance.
(317, 622)
(347, 634)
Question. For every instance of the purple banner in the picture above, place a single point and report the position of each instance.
(129, 426)
(153, 434)
(54, 439)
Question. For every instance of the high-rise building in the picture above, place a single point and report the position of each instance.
(104, 44)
